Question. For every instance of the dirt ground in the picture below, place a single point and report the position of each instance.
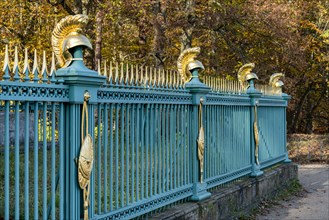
(313, 204)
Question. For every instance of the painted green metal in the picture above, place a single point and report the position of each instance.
(144, 136)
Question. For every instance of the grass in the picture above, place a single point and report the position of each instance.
(21, 181)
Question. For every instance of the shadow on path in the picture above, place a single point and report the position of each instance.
(314, 205)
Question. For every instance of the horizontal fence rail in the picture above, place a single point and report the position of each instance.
(144, 125)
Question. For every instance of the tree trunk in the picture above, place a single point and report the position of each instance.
(298, 109)
(159, 40)
(187, 36)
(99, 34)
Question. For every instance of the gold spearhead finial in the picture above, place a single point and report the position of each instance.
(245, 74)
(185, 58)
(66, 35)
(6, 60)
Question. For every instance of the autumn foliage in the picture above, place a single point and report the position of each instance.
(288, 36)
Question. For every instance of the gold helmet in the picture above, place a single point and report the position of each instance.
(66, 35)
(186, 62)
(245, 74)
(194, 65)
(275, 81)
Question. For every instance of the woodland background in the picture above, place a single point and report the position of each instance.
(288, 36)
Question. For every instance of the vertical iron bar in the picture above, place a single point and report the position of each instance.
(7, 160)
(122, 134)
(151, 128)
(105, 139)
(187, 141)
(99, 159)
(163, 146)
(117, 107)
(158, 147)
(53, 161)
(138, 146)
(174, 147)
(61, 162)
(26, 161)
(36, 132)
(127, 153)
(111, 156)
(91, 131)
(171, 145)
(167, 145)
(17, 131)
(133, 130)
(184, 133)
(147, 142)
(44, 165)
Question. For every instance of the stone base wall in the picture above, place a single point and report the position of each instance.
(239, 197)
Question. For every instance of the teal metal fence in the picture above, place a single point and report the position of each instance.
(144, 123)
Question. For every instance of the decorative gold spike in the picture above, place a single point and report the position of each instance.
(16, 67)
(116, 72)
(212, 83)
(6, 60)
(149, 78)
(131, 74)
(99, 67)
(44, 64)
(159, 77)
(170, 78)
(127, 74)
(26, 68)
(174, 79)
(166, 79)
(163, 77)
(35, 63)
(105, 69)
(150, 81)
(137, 72)
(53, 65)
(216, 87)
(142, 75)
(111, 72)
(121, 71)
(155, 77)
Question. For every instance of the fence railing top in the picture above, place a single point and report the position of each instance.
(125, 74)
(117, 74)
(25, 74)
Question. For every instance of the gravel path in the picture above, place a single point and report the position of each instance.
(313, 205)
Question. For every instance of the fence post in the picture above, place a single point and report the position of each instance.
(286, 97)
(199, 91)
(254, 95)
(79, 79)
